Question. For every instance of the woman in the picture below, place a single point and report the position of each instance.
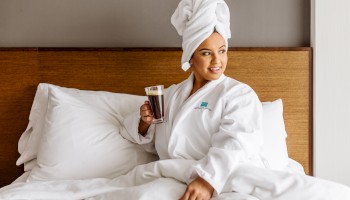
(211, 118)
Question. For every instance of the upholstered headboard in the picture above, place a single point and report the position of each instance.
(272, 72)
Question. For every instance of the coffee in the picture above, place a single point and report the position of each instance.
(157, 105)
(156, 100)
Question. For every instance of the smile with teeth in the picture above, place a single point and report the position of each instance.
(214, 69)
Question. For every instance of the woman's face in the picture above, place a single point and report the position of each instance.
(210, 59)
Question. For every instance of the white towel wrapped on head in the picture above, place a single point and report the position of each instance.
(196, 20)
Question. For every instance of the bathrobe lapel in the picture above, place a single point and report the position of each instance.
(185, 104)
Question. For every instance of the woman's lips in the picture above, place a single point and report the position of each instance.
(215, 69)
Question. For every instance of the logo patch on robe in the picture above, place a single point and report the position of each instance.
(203, 105)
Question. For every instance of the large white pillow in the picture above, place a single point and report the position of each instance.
(28, 144)
(274, 134)
(79, 135)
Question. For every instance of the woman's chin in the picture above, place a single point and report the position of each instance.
(215, 75)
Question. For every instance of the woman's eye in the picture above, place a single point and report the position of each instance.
(206, 53)
(222, 51)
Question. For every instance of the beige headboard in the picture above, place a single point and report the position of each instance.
(273, 72)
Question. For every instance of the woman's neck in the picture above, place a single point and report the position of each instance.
(197, 85)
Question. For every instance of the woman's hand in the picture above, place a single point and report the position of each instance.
(199, 189)
(146, 118)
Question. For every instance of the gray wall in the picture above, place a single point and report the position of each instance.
(331, 48)
(144, 23)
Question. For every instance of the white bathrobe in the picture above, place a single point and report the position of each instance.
(219, 126)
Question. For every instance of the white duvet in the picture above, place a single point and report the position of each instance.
(165, 180)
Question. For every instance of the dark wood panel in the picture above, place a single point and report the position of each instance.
(17, 88)
(273, 73)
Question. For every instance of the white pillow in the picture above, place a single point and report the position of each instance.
(28, 144)
(80, 136)
(274, 134)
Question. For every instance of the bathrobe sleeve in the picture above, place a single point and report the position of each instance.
(130, 132)
(238, 140)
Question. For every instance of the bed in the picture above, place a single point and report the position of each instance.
(283, 74)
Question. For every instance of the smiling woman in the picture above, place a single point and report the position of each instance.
(209, 61)
(218, 139)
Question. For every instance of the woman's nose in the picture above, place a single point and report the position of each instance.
(215, 59)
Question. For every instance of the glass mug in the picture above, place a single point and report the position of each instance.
(155, 96)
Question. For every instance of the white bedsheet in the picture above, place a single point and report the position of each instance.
(164, 180)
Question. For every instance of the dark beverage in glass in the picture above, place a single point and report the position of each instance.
(157, 105)
(156, 100)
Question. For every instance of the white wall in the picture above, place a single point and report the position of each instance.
(143, 23)
(331, 42)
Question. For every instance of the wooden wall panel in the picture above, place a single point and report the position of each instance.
(273, 73)
(18, 80)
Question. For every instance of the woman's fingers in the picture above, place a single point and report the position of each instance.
(185, 196)
(198, 189)
(146, 113)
